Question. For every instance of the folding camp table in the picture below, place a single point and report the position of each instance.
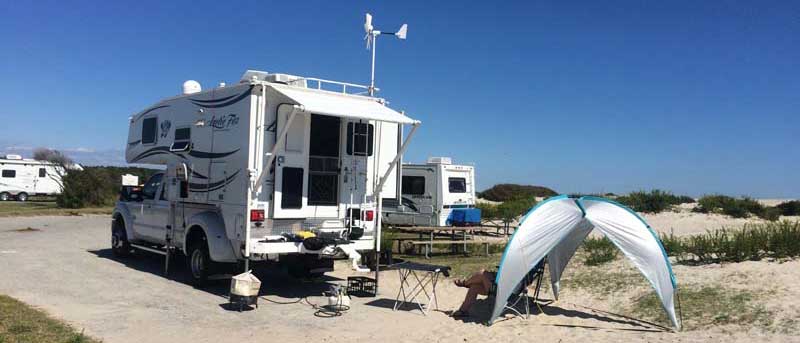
(422, 276)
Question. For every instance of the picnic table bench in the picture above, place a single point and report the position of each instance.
(428, 245)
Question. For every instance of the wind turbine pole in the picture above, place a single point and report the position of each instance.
(372, 76)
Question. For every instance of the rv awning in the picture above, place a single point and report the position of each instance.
(340, 105)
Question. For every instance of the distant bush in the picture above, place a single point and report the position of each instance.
(95, 186)
(736, 207)
(506, 192)
(751, 242)
(789, 208)
(654, 201)
(599, 251)
(507, 211)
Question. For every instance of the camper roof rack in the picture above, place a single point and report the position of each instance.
(300, 81)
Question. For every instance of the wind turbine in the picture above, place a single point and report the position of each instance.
(372, 39)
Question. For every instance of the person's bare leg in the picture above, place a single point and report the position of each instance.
(474, 279)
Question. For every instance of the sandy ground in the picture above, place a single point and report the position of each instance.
(682, 221)
(67, 269)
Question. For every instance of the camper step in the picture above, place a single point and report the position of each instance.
(154, 250)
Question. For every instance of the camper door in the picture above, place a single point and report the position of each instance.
(307, 168)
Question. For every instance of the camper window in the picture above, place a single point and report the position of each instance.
(457, 185)
(9, 173)
(151, 187)
(292, 188)
(183, 139)
(149, 128)
(363, 136)
(42, 172)
(414, 185)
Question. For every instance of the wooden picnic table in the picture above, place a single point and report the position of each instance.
(432, 230)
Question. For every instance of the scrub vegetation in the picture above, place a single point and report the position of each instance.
(743, 207)
(751, 242)
(706, 305)
(508, 211)
(654, 201)
(599, 251)
(45, 208)
(508, 191)
(22, 323)
(96, 186)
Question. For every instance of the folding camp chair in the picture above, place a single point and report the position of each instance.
(520, 294)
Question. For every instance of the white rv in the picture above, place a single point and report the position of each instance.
(275, 167)
(431, 192)
(21, 178)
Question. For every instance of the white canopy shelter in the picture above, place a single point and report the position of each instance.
(557, 226)
(340, 105)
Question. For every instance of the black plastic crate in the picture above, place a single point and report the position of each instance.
(361, 286)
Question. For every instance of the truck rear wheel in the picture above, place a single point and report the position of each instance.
(198, 261)
(4, 196)
(22, 196)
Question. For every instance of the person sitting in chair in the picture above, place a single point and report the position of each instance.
(479, 283)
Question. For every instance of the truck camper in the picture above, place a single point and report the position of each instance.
(274, 168)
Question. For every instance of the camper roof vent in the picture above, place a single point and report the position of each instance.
(191, 87)
(286, 79)
(13, 157)
(440, 160)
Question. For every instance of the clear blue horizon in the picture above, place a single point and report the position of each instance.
(691, 97)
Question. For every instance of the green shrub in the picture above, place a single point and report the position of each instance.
(95, 186)
(654, 201)
(507, 211)
(789, 208)
(737, 208)
(770, 213)
(506, 192)
(599, 251)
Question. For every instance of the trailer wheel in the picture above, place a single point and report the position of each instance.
(198, 261)
(119, 241)
(22, 196)
(4, 196)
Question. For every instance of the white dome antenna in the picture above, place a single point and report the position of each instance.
(191, 87)
(372, 39)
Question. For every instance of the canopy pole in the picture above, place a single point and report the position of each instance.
(377, 195)
(680, 310)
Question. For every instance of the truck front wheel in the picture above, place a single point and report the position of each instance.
(198, 261)
(119, 240)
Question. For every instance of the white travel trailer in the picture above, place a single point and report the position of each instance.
(21, 178)
(255, 169)
(431, 192)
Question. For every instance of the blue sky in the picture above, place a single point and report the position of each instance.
(695, 97)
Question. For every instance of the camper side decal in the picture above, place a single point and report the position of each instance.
(222, 102)
(194, 153)
(213, 186)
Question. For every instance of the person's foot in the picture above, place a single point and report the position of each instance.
(459, 314)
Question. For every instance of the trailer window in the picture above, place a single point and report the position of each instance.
(151, 187)
(457, 185)
(9, 173)
(149, 128)
(414, 185)
(42, 172)
(183, 139)
(292, 188)
(362, 136)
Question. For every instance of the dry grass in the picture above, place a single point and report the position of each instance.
(22, 323)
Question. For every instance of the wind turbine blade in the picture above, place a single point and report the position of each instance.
(402, 32)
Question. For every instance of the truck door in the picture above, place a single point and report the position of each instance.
(150, 222)
(291, 167)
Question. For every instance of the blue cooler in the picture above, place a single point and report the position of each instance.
(464, 217)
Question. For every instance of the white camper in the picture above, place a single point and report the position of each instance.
(21, 178)
(430, 193)
(276, 167)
